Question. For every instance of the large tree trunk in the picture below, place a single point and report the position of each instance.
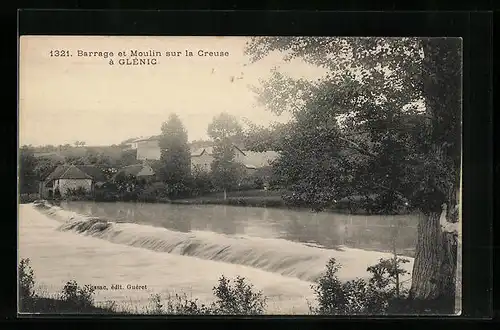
(435, 266)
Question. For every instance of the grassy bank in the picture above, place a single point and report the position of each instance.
(236, 199)
(378, 296)
(246, 198)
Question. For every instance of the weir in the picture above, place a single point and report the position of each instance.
(273, 255)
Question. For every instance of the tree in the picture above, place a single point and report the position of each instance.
(105, 163)
(127, 157)
(259, 138)
(225, 131)
(383, 121)
(27, 170)
(175, 156)
(225, 126)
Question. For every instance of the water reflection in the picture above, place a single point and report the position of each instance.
(326, 229)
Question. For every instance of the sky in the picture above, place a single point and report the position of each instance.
(80, 98)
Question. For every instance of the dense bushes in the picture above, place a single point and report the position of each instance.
(238, 298)
(359, 296)
(80, 297)
(26, 285)
(126, 187)
(28, 198)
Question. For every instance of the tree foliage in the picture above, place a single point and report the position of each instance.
(387, 105)
(359, 296)
(225, 127)
(383, 121)
(175, 153)
(225, 131)
(260, 138)
(27, 171)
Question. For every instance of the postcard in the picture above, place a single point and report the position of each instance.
(229, 175)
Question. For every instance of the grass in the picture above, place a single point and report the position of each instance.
(47, 305)
(253, 198)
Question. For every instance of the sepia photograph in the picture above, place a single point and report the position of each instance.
(224, 175)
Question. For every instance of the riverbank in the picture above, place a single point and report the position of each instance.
(244, 198)
(249, 201)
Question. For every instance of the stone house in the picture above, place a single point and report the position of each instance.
(71, 177)
(148, 148)
(202, 158)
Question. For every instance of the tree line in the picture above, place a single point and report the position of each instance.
(173, 177)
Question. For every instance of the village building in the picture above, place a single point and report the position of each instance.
(202, 158)
(140, 171)
(148, 148)
(130, 143)
(66, 178)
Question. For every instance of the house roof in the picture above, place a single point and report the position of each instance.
(200, 151)
(129, 140)
(210, 150)
(77, 172)
(259, 159)
(149, 138)
(132, 169)
(250, 159)
(93, 171)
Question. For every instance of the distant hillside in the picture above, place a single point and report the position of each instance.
(70, 151)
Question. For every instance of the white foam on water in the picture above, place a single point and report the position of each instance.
(167, 261)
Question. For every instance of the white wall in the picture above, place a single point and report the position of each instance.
(148, 150)
(202, 162)
(65, 184)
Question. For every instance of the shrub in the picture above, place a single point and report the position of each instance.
(156, 305)
(148, 194)
(178, 190)
(386, 277)
(28, 198)
(180, 304)
(359, 296)
(26, 284)
(238, 299)
(329, 291)
(78, 193)
(79, 297)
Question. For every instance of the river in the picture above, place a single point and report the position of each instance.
(186, 248)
